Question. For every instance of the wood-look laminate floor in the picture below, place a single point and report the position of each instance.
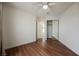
(46, 48)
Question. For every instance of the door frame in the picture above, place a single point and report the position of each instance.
(58, 27)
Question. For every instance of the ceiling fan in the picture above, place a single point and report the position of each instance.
(45, 8)
(45, 5)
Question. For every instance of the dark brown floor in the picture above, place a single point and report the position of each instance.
(47, 48)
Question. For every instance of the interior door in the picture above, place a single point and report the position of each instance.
(55, 29)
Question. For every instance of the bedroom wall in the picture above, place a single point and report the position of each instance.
(69, 28)
(19, 27)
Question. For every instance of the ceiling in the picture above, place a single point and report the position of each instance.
(36, 7)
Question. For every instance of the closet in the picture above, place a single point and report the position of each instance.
(53, 29)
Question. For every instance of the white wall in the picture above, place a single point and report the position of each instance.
(69, 28)
(19, 27)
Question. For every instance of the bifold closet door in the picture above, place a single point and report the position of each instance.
(41, 30)
(55, 28)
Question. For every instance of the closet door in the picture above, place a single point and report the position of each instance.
(55, 29)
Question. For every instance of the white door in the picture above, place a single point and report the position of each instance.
(55, 29)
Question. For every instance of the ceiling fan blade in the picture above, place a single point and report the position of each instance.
(51, 3)
(37, 3)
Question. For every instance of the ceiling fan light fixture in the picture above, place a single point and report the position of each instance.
(45, 6)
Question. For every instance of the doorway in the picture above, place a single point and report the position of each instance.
(49, 29)
(53, 29)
